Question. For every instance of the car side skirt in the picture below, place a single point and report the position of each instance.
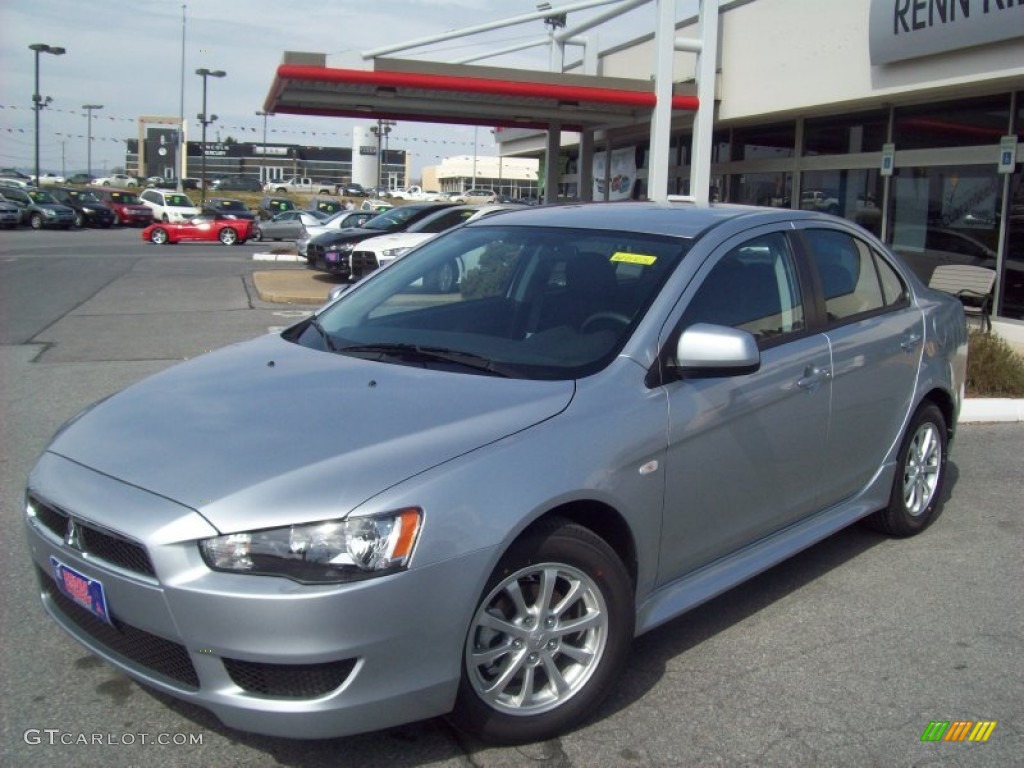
(688, 592)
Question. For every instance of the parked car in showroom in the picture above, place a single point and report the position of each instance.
(626, 410)
(208, 228)
(39, 209)
(227, 208)
(287, 225)
(127, 207)
(116, 180)
(332, 251)
(168, 206)
(89, 210)
(333, 223)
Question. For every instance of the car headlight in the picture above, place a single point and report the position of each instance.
(48, 213)
(318, 553)
(393, 253)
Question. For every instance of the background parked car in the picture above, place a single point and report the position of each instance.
(476, 196)
(287, 225)
(169, 206)
(49, 179)
(338, 221)
(126, 206)
(237, 183)
(160, 182)
(227, 208)
(39, 209)
(10, 214)
(352, 189)
(81, 178)
(199, 228)
(116, 180)
(89, 210)
(271, 205)
(326, 205)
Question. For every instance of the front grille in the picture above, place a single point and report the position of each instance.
(289, 681)
(95, 541)
(161, 656)
(363, 262)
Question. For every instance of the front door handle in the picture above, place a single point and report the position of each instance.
(813, 377)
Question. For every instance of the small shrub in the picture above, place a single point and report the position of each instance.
(993, 368)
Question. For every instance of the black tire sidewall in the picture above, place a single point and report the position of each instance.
(569, 544)
(898, 520)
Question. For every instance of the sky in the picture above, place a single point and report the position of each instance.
(126, 55)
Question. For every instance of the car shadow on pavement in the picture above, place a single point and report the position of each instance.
(436, 741)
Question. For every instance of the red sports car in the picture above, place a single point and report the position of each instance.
(204, 228)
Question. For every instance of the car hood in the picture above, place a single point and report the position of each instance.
(268, 433)
(396, 240)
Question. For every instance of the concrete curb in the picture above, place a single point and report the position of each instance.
(984, 410)
(277, 257)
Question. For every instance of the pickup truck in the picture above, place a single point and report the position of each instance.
(300, 184)
(416, 193)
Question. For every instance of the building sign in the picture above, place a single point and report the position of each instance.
(621, 173)
(259, 149)
(906, 29)
(364, 150)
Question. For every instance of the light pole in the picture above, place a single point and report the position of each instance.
(264, 115)
(88, 147)
(381, 131)
(205, 119)
(37, 101)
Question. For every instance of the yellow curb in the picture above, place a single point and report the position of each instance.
(293, 286)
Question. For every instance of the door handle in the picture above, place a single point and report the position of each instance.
(813, 378)
(910, 341)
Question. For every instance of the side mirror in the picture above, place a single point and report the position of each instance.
(707, 348)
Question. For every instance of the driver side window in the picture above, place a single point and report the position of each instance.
(754, 288)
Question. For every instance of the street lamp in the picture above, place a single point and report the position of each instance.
(205, 120)
(37, 101)
(88, 147)
(264, 115)
(381, 130)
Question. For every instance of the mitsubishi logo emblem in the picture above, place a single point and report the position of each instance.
(73, 538)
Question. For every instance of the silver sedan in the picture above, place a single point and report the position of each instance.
(418, 503)
(287, 225)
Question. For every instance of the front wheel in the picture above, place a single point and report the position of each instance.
(158, 236)
(228, 236)
(916, 498)
(36, 221)
(79, 220)
(549, 636)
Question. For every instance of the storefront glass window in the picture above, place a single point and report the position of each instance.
(946, 215)
(845, 135)
(1011, 282)
(770, 189)
(765, 142)
(855, 195)
(967, 123)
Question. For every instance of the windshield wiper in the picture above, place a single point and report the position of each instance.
(415, 352)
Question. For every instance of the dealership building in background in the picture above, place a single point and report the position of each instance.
(906, 116)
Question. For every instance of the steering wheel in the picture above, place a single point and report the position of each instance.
(598, 317)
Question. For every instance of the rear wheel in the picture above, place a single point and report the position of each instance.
(36, 221)
(916, 498)
(548, 638)
(79, 220)
(158, 236)
(228, 236)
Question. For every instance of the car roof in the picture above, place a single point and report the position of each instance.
(677, 219)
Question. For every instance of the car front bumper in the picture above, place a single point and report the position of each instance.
(265, 654)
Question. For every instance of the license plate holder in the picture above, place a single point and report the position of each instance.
(82, 590)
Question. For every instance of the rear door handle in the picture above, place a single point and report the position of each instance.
(910, 342)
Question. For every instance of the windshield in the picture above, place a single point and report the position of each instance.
(125, 198)
(178, 201)
(394, 218)
(528, 302)
(230, 205)
(41, 197)
(82, 196)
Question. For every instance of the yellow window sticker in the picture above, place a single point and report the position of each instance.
(634, 258)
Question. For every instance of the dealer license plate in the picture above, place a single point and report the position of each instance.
(331, 255)
(84, 591)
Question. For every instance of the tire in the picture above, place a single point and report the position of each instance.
(158, 236)
(164, 219)
(515, 644)
(257, 235)
(282, 191)
(79, 221)
(917, 491)
(228, 236)
(36, 221)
